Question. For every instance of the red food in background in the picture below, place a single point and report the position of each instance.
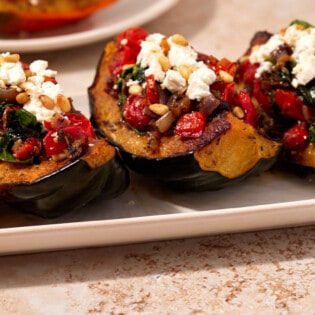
(22, 16)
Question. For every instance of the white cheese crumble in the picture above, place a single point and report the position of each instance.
(181, 55)
(200, 79)
(302, 43)
(261, 54)
(34, 105)
(12, 75)
(199, 82)
(173, 81)
(149, 55)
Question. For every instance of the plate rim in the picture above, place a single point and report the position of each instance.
(49, 43)
(109, 232)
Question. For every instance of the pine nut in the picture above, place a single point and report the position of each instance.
(165, 63)
(135, 89)
(179, 40)
(22, 98)
(225, 76)
(185, 71)
(165, 46)
(238, 112)
(63, 103)
(12, 58)
(127, 66)
(159, 109)
(243, 59)
(60, 156)
(28, 73)
(47, 101)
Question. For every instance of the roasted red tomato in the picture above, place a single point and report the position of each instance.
(191, 125)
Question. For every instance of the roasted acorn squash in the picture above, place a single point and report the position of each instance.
(277, 72)
(28, 16)
(228, 150)
(52, 188)
(50, 158)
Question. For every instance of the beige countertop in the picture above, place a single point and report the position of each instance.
(268, 272)
(257, 272)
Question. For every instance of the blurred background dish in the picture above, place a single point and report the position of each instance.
(120, 15)
(33, 16)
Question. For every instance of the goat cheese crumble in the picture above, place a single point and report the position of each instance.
(165, 66)
(13, 75)
(302, 43)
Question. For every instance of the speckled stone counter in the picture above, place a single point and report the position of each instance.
(263, 272)
(268, 272)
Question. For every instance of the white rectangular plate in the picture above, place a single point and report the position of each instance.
(147, 212)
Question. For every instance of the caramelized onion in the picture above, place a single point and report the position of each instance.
(164, 123)
(8, 95)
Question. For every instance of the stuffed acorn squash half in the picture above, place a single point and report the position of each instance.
(50, 159)
(162, 104)
(278, 72)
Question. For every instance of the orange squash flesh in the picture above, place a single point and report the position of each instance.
(236, 151)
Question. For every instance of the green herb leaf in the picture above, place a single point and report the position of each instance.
(312, 133)
(302, 23)
(121, 99)
(137, 131)
(6, 156)
(284, 75)
(308, 94)
(20, 124)
(134, 72)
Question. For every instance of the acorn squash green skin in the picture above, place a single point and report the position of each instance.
(68, 188)
(182, 172)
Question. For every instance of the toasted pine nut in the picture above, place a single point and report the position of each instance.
(243, 59)
(159, 109)
(179, 40)
(185, 71)
(135, 89)
(63, 103)
(12, 58)
(22, 98)
(238, 112)
(28, 73)
(60, 156)
(165, 46)
(225, 76)
(299, 27)
(47, 101)
(165, 63)
(126, 66)
(1, 59)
